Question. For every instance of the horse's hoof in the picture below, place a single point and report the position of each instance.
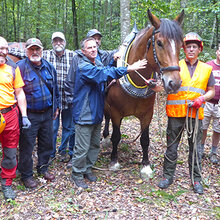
(146, 173)
(106, 142)
(114, 166)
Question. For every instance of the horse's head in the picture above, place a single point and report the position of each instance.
(164, 48)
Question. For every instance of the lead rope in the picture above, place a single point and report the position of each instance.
(194, 140)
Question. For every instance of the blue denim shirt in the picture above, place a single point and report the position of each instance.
(37, 94)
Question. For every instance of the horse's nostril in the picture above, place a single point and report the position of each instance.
(171, 84)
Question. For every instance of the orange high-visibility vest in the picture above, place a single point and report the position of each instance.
(190, 89)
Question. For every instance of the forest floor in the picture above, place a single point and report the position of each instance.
(122, 194)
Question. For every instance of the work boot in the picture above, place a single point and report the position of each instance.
(79, 182)
(48, 176)
(165, 183)
(198, 188)
(7, 190)
(213, 158)
(30, 183)
(91, 177)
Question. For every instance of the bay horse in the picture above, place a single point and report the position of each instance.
(160, 44)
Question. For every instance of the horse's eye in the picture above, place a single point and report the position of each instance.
(159, 43)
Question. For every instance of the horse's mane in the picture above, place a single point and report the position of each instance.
(143, 31)
(171, 30)
(168, 29)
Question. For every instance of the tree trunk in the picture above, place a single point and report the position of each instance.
(14, 19)
(212, 34)
(18, 21)
(110, 22)
(93, 14)
(217, 29)
(38, 19)
(75, 31)
(105, 14)
(99, 15)
(125, 18)
(65, 17)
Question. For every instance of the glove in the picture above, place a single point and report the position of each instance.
(151, 83)
(197, 103)
(26, 124)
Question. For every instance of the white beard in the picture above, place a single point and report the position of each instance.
(35, 58)
(59, 48)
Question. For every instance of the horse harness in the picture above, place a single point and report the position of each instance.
(163, 69)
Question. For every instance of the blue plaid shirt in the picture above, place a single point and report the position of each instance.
(37, 94)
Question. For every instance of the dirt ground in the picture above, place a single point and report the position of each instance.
(122, 194)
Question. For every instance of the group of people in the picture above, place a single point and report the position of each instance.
(49, 84)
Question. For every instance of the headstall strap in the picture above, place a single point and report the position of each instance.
(154, 50)
(169, 68)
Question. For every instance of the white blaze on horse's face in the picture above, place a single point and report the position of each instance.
(173, 46)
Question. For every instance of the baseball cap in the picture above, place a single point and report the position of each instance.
(93, 32)
(33, 42)
(58, 34)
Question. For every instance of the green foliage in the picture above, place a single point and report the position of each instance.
(38, 18)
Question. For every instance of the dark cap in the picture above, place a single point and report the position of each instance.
(93, 32)
(33, 42)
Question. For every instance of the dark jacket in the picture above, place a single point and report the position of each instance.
(85, 88)
(37, 93)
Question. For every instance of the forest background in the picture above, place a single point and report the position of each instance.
(121, 195)
(22, 19)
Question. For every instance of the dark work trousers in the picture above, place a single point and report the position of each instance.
(174, 133)
(9, 139)
(42, 129)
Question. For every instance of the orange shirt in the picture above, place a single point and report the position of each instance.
(8, 84)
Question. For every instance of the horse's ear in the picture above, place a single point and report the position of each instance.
(180, 17)
(153, 19)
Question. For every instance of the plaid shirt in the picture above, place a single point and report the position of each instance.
(61, 64)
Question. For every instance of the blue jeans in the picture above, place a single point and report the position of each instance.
(68, 132)
(42, 129)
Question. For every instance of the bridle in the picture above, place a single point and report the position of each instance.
(163, 69)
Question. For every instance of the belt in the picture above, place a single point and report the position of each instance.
(39, 111)
(5, 110)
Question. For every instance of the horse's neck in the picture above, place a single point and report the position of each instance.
(139, 51)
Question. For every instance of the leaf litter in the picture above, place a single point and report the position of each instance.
(122, 194)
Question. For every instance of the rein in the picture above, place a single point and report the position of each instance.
(163, 69)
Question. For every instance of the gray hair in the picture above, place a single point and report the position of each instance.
(82, 44)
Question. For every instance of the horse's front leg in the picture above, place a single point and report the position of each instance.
(146, 171)
(106, 127)
(106, 141)
(115, 138)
